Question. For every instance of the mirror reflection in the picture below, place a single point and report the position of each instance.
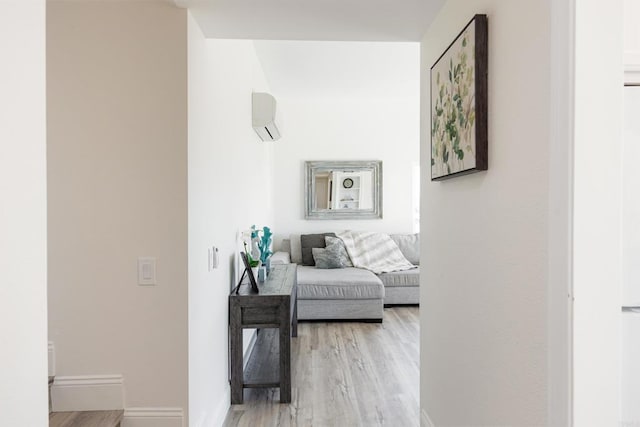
(346, 189)
(343, 189)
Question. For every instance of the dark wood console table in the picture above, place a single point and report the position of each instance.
(274, 307)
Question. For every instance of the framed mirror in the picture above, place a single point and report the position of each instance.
(343, 189)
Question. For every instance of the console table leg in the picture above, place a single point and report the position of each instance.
(294, 321)
(235, 344)
(285, 353)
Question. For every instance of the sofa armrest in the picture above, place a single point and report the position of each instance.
(280, 258)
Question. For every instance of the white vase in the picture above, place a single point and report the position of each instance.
(255, 250)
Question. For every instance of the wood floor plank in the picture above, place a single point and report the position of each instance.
(345, 374)
(86, 419)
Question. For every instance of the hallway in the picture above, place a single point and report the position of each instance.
(346, 374)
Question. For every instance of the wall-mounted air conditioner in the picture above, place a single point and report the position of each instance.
(264, 116)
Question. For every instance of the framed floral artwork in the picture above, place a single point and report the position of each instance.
(459, 104)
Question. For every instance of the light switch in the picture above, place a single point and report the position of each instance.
(146, 271)
(213, 257)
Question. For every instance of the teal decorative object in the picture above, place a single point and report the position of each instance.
(265, 244)
(254, 232)
(260, 243)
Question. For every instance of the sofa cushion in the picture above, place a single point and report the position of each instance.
(296, 250)
(401, 278)
(344, 283)
(409, 245)
(285, 246)
(280, 258)
(310, 241)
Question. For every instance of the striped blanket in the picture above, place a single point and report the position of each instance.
(374, 251)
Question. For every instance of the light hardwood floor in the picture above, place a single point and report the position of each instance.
(86, 419)
(345, 374)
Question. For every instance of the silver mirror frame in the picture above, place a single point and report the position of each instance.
(311, 168)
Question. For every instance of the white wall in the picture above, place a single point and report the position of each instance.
(597, 212)
(353, 128)
(631, 41)
(560, 236)
(229, 190)
(23, 210)
(117, 157)
(483, 295)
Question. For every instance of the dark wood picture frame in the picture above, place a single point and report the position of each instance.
(249, 272)
(456, 151)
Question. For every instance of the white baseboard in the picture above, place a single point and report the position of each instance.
(51, 352)
(201, 420)
(425, 421)
(220, 413)
(217, 417)
(632, 66)
(153, 417)
(632, 76)
(87, 393)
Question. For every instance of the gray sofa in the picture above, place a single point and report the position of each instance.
(352, 293)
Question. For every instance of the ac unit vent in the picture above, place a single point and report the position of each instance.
(264, 116)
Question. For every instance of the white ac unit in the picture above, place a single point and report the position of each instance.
(264, 116)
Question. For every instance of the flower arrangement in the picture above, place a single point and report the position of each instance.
(264, 242)
(261, 240)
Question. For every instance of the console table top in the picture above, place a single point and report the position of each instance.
(280, 282)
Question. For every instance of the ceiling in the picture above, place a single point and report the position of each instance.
(340, 69)
(329, 20)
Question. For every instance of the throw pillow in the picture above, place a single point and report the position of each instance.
(338, 252)
(409, 245)
(325, 258)
(310, 241)
(320, 257)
